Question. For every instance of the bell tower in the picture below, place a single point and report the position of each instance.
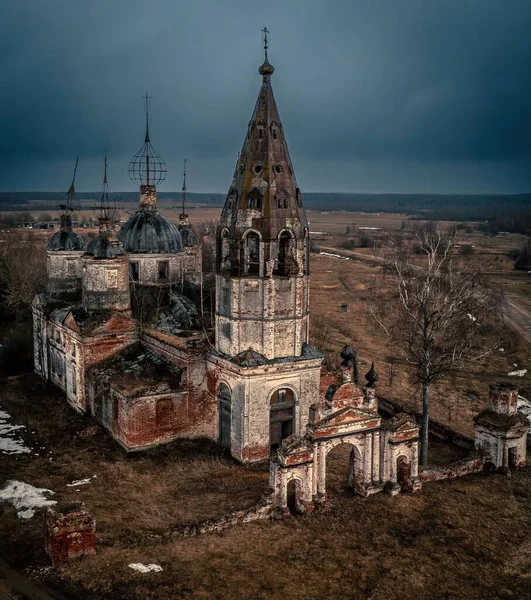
(262, 279)
(263, 243)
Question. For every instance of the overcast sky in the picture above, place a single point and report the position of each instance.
(374, 95)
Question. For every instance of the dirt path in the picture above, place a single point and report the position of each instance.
(519, 318)
(17, 586)
(516, 316)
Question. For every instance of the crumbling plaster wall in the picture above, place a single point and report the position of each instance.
(106, 284)
(64, 269)
(251, 391)
(268, 314)
(498, 445)
(198, 411)
(182, 266)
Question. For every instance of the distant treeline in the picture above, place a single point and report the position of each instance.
(497, 212)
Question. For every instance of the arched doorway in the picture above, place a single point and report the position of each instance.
(344, 470)
(403, 472)
(294, 496)
(281, 417)
(224, 404)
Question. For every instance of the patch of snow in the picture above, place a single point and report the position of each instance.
(501, 349)
(80, 482)
(25, 497)
(9, 442)
(141, 568)
(471, 317)
(519, 373)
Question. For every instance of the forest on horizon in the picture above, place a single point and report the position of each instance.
(499, 212)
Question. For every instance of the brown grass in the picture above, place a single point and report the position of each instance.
(466, 539)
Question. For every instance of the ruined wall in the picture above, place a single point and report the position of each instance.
(106, 284)
(473, 464)
(182, 266)
(269, 315)
(40, 342)
(69, 536)
(251, 391)
(64, 269)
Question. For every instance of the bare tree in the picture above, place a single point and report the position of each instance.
(438, 314)
(22, 272)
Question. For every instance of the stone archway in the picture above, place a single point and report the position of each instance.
(344, 469)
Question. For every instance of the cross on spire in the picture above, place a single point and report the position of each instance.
(146, 99)
(266, 32)
(184, 189)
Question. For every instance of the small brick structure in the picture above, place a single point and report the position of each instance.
(501, 431)
(69, 535)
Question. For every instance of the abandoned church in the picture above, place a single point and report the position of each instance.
(120, 331)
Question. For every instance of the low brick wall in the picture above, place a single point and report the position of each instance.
(443, 432)
(473, 464)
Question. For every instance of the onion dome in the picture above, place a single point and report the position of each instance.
(102, 246)
(266, 68)
(65, 238)
(150, 232)
(188, 236)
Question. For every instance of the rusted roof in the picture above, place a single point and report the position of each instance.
(501, 422)
(149, 232)
(264, 173)
(102, 246)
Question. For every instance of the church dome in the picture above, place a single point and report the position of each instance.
(151, 233)
(66, 240)
(103, 247)
(188, 236)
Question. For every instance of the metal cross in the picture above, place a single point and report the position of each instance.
(265, 32)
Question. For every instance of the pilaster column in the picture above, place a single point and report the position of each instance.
(283, 488)
(415, 459)
(376, 476)
(392, 464)
(367, 471)
(321, 484)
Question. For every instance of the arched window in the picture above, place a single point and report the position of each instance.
(224, 404)
(287, 265)
(282, 416)
(225, 250)
(252, 253)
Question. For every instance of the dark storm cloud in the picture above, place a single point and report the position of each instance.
(376, 96)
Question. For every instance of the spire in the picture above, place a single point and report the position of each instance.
(266, 69)
(67, 208)
(264, 180)
(146, 108)
(71, 194)
(183, 216)
(147, 168)
(105, 208)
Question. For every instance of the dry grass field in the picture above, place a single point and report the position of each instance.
(463, 539)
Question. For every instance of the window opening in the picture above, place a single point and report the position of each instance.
(286, 262)
(282, 415)
(252, 253)
(134, 271)
(164, 266)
